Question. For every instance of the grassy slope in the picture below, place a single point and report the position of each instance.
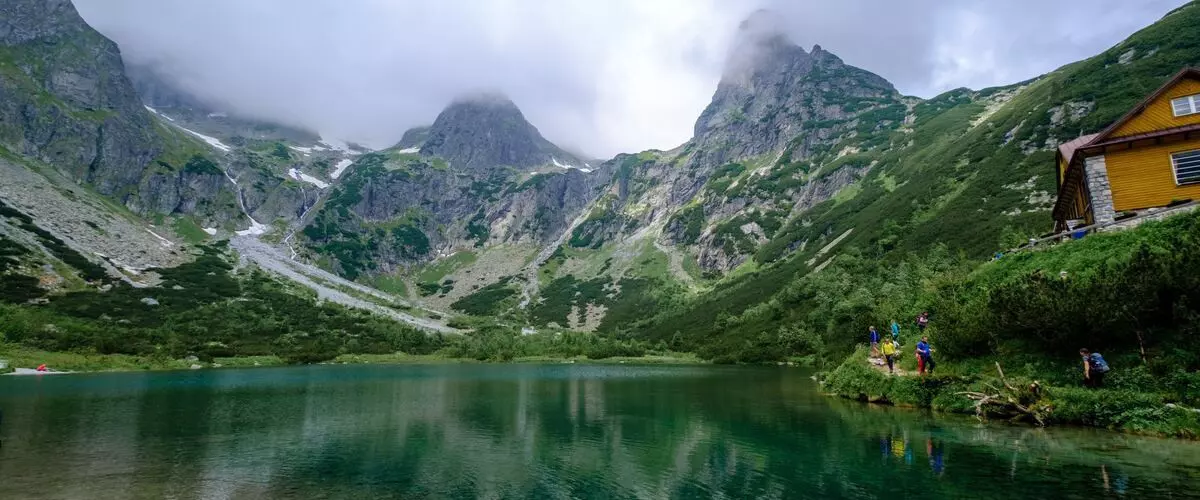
(1122, 294)
(948, 183)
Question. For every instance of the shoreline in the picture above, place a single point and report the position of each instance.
(20, 358)
(1119, 410)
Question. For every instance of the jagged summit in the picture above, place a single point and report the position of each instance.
(761, 44)
(484, 131)
(771, 87)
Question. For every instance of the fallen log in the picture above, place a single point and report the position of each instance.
(1009, 401)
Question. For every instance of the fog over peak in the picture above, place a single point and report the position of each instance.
(597, 76)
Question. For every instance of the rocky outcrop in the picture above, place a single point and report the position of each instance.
(414, 138)
(486, 132)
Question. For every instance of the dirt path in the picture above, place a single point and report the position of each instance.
(881, 367)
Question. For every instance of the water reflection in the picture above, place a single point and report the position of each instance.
(534, 432)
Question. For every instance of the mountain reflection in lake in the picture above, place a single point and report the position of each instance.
(535, 431)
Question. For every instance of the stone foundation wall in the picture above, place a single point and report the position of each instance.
(1149, 215)
(1099, 189)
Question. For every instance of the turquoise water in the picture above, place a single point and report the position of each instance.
(536, 431)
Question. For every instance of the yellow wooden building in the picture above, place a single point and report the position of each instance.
(1149, 158)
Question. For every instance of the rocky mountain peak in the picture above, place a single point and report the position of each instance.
(68, 101)
(761, 45)
(26, 20)
(485, 131)
(771, 87)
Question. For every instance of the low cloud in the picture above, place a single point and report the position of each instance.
(600, 77)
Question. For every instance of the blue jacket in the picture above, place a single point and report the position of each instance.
(923, 348)
(874, 336)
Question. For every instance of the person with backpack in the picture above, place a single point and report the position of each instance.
(1094, 368)
(895, 331)
(874, 337)
(923, 321)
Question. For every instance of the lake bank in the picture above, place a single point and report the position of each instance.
(23, 357)
(1116, 408)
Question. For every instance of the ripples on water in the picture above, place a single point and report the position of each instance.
(536, 431)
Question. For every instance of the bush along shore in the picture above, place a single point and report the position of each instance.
(13, 357)
(1008, 332)
(996, 395)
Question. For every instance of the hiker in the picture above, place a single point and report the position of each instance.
(889, 353)
(1094, 368)
(925, 357)
(895, 331)
(923, 321)
(874, 342)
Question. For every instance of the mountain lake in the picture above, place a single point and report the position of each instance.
(537, 431)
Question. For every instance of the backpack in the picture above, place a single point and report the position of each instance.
(1098, 362)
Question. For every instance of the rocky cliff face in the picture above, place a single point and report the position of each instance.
(785, 131)
(479, 176)
(65, 101)
(64, 98)
(489, 131)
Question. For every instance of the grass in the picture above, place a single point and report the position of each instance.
(847, 193)
(437, 271)
(1115, 408)
(691, 265)
(187, 229)
(394, 285)
(651, 263)
(22, 357)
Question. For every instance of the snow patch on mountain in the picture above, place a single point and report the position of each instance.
(165, 242)
(295, 173)
(255, 229)
(338, 145)
(212, 141)
(559, 164)
(340, 167)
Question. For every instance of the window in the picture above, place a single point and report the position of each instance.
(1186, 105)
(1187, 167)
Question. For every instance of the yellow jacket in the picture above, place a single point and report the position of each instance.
(888, 348)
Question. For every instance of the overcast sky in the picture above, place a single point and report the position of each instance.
(597, 76)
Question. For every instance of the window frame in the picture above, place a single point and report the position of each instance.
(1193, 102)
(1175, 168)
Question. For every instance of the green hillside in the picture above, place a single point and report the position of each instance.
(960, 180)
